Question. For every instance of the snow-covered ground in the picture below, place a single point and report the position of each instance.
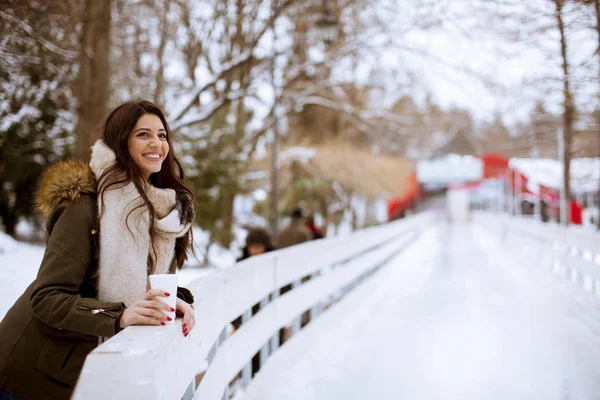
(19, 264)
(455, 316)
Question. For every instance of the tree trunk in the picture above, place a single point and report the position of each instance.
(9, 219)
(597, 7)
(568, 117)
(160, 74)
(275, 130)
(94, 78)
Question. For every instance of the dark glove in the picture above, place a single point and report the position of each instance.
(185, 207)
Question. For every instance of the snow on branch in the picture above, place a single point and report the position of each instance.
(208, 111)
(300, 154)
(68, 54)
(237, 61)
(349, 109)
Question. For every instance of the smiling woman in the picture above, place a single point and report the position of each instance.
(148, 144)
(111, 224)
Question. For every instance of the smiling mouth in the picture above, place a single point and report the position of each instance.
(152, 156)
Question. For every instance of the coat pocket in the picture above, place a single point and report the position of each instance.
(62, 360)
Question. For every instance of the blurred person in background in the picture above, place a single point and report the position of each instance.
(310, 224)
(110, 224)
(295, 233)
(258, 241)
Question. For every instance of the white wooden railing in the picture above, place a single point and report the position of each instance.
(572, 252)
(159, 363)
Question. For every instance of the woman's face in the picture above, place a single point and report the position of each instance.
(147, 144)
(255, 249)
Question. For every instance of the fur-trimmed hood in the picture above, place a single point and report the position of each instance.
(65, 180)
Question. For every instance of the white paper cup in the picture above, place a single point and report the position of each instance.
(167, 283)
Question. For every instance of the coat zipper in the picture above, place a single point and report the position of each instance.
(95, 311)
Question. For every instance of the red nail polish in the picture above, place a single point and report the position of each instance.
(167, 294)
(172, 309)
(162, 322)
(169, 319)
(184, 325)
(185, 335)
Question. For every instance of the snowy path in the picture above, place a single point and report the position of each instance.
(453, 317)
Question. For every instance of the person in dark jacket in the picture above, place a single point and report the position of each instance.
(110, 224)
(295, 233)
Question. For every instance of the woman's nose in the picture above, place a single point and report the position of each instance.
(155, 143)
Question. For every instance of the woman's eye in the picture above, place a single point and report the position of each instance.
(163, 136)
(142, 134)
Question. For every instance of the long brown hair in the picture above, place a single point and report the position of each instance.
(115, 132)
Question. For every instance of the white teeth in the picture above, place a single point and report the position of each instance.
(156, 156)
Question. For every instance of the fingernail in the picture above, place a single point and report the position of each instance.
(172, 309)
(185, 335)
(162, 322)
(184, 325)
(169, 319)
(167, 294)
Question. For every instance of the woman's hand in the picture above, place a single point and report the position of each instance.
(189, 320)
(147, 310)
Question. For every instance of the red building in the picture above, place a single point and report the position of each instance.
(495, 166)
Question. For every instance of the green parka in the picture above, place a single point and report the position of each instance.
(47, 334)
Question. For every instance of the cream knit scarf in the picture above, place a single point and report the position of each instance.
(125, 238)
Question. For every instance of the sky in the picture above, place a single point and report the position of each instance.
(496, 67)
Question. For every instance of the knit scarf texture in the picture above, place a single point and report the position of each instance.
(125, 241)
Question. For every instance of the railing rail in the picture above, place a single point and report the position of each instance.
(159, 363)
(573, 252)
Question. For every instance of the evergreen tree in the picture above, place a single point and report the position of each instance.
(35, 98)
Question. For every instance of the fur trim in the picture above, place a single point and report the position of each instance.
(65, 180)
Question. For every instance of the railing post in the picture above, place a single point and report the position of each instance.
(264, 351)
(247, 370)
(296, 323)
(316, 309)
(275, 295)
